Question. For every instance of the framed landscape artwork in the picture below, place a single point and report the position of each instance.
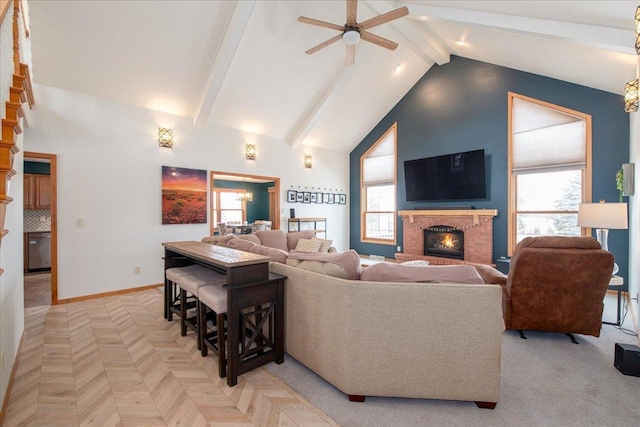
(184, 196)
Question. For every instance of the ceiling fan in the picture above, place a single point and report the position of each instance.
(353, 31)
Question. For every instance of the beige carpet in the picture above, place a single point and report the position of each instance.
(546, 381)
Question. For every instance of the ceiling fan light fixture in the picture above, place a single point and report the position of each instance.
(351, 36)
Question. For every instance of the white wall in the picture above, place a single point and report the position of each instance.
(634, 218)
(11, 282)
(109, 167)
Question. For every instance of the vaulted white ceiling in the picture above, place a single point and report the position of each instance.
(242, 64)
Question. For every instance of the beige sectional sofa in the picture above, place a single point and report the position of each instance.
(422, 340)
(396, 338)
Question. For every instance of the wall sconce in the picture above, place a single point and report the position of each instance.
(631, 96)
(165, 137)
(250, 151)
(308, 161)
(638, 30)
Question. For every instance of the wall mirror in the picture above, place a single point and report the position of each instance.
(243, 198)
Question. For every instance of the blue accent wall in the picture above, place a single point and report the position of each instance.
(462, 106)
(259, 207)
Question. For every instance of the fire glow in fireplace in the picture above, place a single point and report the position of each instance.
(444, 241)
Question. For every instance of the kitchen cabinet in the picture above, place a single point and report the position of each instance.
(37, 191)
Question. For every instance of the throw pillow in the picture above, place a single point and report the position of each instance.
(292, 238)
(308, 245)
(324, 247)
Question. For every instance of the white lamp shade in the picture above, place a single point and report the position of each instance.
(603, 215)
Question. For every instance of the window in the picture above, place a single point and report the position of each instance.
(549, 169)
(378, 195)
(227, 207)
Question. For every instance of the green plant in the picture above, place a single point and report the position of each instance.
(619, 179)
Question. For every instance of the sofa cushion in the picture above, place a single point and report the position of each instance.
(292, 238)
(387, 272)
(278, 255)
(273, 239)
(242, 245)
(325, 246)
(308, 245)
(346, 264)
(250, 238)
(218, 240)
(422, 262)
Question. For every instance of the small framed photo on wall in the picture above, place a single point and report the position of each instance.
(325, 197)
(314, 197)
(299, 197)
(291, 196)
(306, 197)
(343, 199)
(319, 198)
(331, 198)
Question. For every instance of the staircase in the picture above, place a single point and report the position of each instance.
(14, 91)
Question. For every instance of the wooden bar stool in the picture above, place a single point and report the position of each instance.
(190, 281)
(214, 298)
(171, 288)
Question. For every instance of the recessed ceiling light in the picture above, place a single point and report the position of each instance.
(397, 68)
(460, 42)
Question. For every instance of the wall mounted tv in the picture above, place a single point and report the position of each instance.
(457, 176)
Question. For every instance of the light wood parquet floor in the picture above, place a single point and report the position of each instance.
(115, 361)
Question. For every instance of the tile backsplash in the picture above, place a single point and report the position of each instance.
(32, 220)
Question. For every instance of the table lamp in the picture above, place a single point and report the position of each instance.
(603, 217)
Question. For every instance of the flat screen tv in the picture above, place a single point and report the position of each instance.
(457, 176)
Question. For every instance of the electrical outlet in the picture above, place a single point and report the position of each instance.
(398, 248)
(42, 218)
(136, 270)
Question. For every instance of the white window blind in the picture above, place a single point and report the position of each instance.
(379, 165)
(546, 140)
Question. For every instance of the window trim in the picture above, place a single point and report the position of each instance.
(363, 191)
(217, 213)
(512, 178)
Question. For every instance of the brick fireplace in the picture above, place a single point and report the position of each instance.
(477, 225)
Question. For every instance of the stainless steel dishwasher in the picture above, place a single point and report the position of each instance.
(39, 250)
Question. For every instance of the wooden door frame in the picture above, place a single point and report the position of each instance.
(53, 164)
(276, 184)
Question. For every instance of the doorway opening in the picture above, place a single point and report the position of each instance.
(243, 198)
(40, 229)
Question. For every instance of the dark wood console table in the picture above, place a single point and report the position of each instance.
(255, 302)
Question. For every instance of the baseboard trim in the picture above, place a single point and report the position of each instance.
(5, 401)
(106, 294)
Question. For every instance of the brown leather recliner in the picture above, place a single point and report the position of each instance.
(557, 284)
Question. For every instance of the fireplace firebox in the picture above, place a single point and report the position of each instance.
(444, 241)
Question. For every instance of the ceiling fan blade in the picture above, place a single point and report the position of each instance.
(380, 41)
(385, 17)
(324, 44)
(352, 9)
(351, 54)
(320, 23)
